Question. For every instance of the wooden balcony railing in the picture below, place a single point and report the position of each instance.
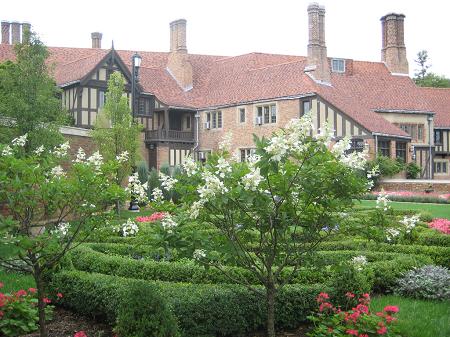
(169, 136)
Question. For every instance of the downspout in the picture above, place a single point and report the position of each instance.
(376, 146)
(197, 118)
(430, 119)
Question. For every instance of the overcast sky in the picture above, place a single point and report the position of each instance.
(234, 27)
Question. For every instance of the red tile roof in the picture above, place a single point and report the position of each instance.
(439, 101)
(220, 81)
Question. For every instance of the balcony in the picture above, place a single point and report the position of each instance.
(163, 135)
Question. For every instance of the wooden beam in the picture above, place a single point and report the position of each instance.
(166, 119)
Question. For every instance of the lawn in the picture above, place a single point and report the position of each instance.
(15, 281)
(436, 210)
(418, 318)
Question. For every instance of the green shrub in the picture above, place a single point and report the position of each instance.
(387, 166)
(412, 170)
(433, 238)
(412, 198)
(144, 313)
(202, 310)
(142, 170)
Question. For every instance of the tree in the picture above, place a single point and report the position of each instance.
(29, 97)
(275, 208)
(424, 79)
(51, 210)
(115, 132)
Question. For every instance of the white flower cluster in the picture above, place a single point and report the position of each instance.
(81, 156)
(61, 150)
(383, 201)
(189, 166)
(123, 157)
(199, 254)
(61, 230)
(359, 262)
(168, 224)
(278, 147)
(325, 134)
(7, 151)
(57, 172)
(39, 150)
(213, 185)
(374, 172)
(227, 141)
(391, 234)
(410, 222)
(166, 181)
(223, 167)
(129, 228)
(196, 207)
(20, 141)
(252, 179)
(96, 160)
(137, 190)
(157, 195)
(355, 160)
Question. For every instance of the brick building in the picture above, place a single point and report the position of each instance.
(187, 102)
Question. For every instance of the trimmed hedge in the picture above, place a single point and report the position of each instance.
(201, 310)
(439, 255)
(414, 198)
(433, 237)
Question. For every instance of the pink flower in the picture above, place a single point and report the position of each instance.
(382, 330)
(59, 295)
(442, 225)
(32, 290)
(362, 308)
(21, 292)
(352, 332)
(349, 295)
(324, 306)
(390, 319)
(322, 297)
(363, 335)
(152, 218)
(390, 308)
(47, 301)
(80, 334)
(1, 284)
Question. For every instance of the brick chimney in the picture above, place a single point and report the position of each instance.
(5, 32)
(317, 62)
(26, 29)
(178, 64)
(15, 32)
(96, 40)
(393, 52)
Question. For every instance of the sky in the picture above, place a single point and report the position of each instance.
(235, 27)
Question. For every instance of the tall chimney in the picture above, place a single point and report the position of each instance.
(178, 63)
(26, 30)
(5, 32)
(393, 51)
(15, 32)
(96, 39)
(317, 61)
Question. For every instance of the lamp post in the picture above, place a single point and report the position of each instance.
(135, 64)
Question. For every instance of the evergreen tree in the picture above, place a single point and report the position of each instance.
(428, 79)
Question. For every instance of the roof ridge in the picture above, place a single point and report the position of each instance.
(276, 65)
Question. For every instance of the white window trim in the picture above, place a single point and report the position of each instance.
(336, 70)
(255, 114)
(238, 114)
(211, 112)
(436, 160)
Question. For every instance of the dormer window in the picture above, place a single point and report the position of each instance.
(338, 65)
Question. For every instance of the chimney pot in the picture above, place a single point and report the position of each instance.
(178, 35)
(5, 32)
(15, 32)
(96, 39)
(393, 51)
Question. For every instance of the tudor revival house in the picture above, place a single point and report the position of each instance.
(187, 102)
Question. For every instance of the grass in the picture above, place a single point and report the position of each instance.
(15, 281)
(436, 210)
(418, 318)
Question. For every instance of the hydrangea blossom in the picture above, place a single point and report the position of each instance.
(223, 167)
(168, 224)
(196, 207)
(57, 172)
(157, 195)
(278, 147)
(20, 141)
(166, 181)
(81, 156)
(355, 160)
(227, 141)
(137, 190)
(189, 166)
(383, 201)
(129, 228)
(325, 134)
(61, 150)
(7, 151)
(252, 179)
(123, 157)
(39, 150)
(199, 254)
(213, 185)
(96, 160)
(391, 234)
(410, 222)
(359, 262)
(61, 230)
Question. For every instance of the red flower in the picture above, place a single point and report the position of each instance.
(330, 329)
(352, 332)
(322, 297)
(325, 305)
(390, 308)
(59, 295)
(362, 308)
(46, 300)
(349, 295)
(354, 316)
(390, 319)
(80, 334)
(21, 292)
(32, 290)
(380, 314)
(363, 335)
(382, 330)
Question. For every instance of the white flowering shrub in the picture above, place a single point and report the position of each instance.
(359, 262)
(137, 189)
(129, 228)
(285, 194)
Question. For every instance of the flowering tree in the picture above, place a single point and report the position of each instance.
(276, 207)
(49, 207)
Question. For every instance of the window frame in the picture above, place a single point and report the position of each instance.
(438, 140)
(246, 152)
(382, 150)
(268, 113)
(242, 115)
(401, 153)
(443, 163)
(338, 69)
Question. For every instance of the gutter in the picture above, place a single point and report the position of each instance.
(197, 118)
(388, 135)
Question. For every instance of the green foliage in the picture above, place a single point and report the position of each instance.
(433, 80)
(142, 170)
(413, 198)
(29, 97)
(387, 166)
(201, 310)
(412, 170)
(144, 313)
(431, 237)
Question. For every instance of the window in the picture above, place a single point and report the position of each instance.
(188, 122)
(384, 148)
(101, 99)
(306, 107)
(414, 130)
(219, 119)
(215, 119)
(441, 167)
(267, 113)
(356, 145)
(400, 151)
(242, 115)
(245, 153)
(438, 137)
(338, 65)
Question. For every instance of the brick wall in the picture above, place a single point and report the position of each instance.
(415, 186)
